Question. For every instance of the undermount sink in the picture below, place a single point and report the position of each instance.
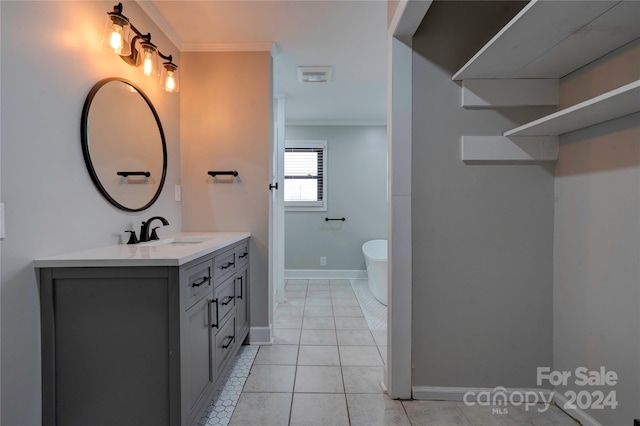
(179, 241)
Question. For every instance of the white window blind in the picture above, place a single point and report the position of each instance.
(305, 175)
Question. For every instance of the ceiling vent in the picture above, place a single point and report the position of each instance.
(314, 74)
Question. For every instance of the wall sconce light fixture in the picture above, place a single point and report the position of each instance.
(117, 37)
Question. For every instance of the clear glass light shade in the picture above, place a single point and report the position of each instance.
(148, 61)
(170, 78)
(117, 35)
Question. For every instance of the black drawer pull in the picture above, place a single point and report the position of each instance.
(228, 300)
(217, 319)
(202, 281)
(240, 278)
(229, 342)
(243, 255)
(226, 265)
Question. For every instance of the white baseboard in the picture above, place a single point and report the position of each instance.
(437, 393)
(441, 393)
(336, 274)
(260, 336)
(578, 414)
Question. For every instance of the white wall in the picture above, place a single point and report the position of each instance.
(597, 240)
(356, 190)
(482, 234)
(51, 57)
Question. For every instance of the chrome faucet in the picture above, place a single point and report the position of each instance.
(146, 225)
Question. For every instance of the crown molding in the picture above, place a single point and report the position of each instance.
(157, 18)
(239, 46)
(334, 123)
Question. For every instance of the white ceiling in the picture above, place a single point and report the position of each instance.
(349, 35)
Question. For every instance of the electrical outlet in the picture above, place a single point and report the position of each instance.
(323, 261)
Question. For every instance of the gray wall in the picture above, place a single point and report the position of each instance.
(356, 190)
(597, 240)
(51, 57)
(482, 234)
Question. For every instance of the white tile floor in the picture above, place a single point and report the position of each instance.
(326, 366)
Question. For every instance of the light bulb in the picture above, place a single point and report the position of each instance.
(170, 77)
(147, 66)
(170, 84)
(116, 39)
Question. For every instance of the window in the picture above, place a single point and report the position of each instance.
(305, 165)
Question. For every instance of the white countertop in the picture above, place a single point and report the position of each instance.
(172, 250)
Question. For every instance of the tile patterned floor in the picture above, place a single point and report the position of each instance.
(224, 400)
(326, 366)
(374, 312)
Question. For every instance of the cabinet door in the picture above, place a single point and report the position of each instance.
(225, 294)
(199, 372)
(197, 282)
(242, 307)
(224, 344)
(224, 266)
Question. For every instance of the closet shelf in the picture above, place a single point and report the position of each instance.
(616, 103)
(550, 39)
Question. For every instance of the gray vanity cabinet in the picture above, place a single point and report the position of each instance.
(196, 283)
(242, 289)
(242, 306)
(140, 345)
(198, 365)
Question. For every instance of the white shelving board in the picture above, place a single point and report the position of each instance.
(550, 39)
(616, 103)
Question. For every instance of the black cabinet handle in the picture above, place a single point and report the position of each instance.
(226, 265)
(228, 300)
(229, 342)
(202, 281)
(241, 284)
(243, 255)
(217, 319)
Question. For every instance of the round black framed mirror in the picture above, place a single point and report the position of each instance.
(123, 144)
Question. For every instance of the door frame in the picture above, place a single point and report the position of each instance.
(276, 211)
(278, 175)
(406, 20)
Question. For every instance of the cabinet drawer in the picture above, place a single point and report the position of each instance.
(225, 265)
(225, 298)
(242, 254)
(197, 282)
(225, 342)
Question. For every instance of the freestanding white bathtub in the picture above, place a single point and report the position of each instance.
(375, 257)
